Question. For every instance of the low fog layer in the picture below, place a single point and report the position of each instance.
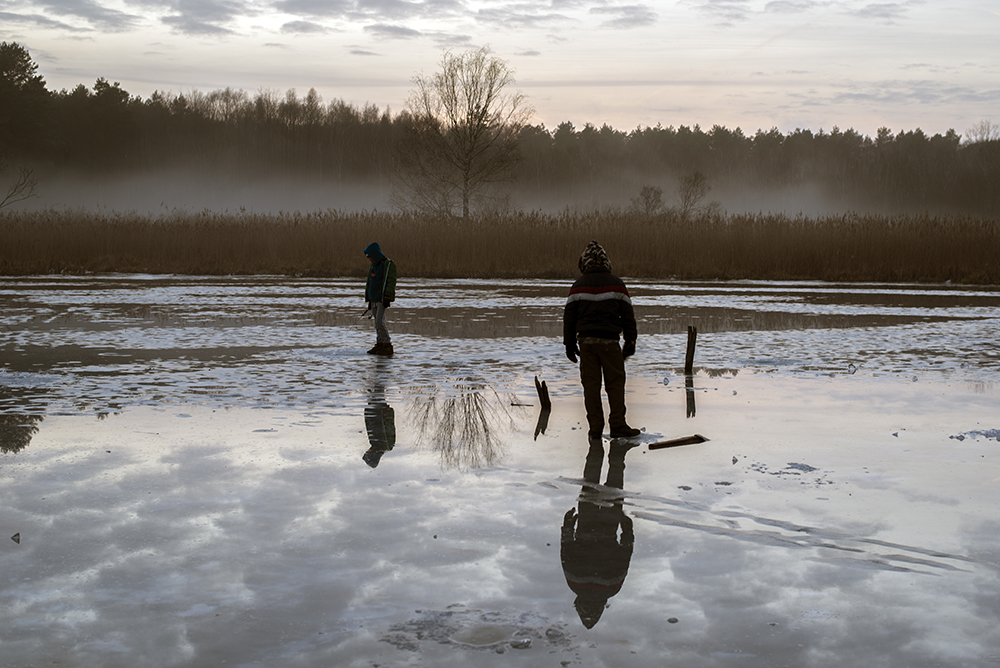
(193, 191)
(808, 200)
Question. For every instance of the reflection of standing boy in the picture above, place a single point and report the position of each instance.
(598, 311)
(380, 291)
(595, 557)
(380, 420)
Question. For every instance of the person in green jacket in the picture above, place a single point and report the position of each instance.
(380, 291)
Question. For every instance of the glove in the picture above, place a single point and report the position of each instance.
(628, 349)
(571, 352)
(386, 302)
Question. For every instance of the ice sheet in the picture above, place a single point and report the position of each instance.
(187, 463)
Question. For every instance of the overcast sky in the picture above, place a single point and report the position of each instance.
(814, 64)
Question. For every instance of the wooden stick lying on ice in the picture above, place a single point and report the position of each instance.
(674, 442)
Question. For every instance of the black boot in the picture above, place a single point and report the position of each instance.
(624, 431)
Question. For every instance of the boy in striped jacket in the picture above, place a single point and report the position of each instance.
(598, 312)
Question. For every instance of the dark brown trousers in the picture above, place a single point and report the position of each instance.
(597, 359)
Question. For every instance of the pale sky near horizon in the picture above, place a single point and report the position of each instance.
(739, 63)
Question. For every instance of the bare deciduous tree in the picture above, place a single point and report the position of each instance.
(982, 131)
(23, 187)
(649, 201)
(462, 125)
(691, 190)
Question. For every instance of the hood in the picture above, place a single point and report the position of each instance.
(594, 259)
(374, 253)
(590, 609)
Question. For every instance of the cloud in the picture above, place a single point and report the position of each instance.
(529, 53)
(794, 6)
(36, 20)
(727, 11)
(399, 9)
(369, 10)
(887, 12)
(109, 20)
(519, 16)
(191, 26)
(916, 92)
(326, 8)
(626, 16)
(303, 27)
(362, 52)
(201, 17)
(447, 39)
(392, 32)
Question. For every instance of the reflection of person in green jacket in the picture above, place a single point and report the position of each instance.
(380, 423)
(595, 559)
(380, 291)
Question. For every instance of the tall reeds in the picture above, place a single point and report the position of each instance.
(768, 247)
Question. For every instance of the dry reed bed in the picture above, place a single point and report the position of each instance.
(767, 247)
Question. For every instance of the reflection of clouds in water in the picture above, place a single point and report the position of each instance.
(181, 550)
(146, 564)
(819, 544)
(767, 607)
(212, 543)
(769, 591)
(464, 420)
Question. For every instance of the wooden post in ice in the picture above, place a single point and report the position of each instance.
(543, 414)
(689, 357)
(543, 394)
(689, 371)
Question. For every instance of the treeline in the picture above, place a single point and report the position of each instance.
(104, 128)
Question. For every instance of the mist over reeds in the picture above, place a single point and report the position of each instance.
(101, 146)
(855, 247)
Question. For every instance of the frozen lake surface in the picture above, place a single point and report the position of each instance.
(211, 471)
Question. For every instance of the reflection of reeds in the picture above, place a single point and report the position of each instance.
(463, 422)
(851, 247)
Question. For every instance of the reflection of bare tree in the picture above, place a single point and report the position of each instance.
(16, 431)
(463, 420)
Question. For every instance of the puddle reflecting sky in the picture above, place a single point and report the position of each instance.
(209, 471)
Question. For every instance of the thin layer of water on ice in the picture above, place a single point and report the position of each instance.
(203, 471)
